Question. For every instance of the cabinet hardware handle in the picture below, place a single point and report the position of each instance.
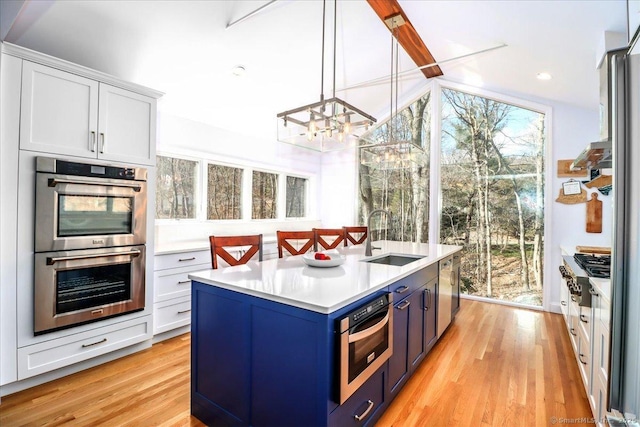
(426, 299)
(594, 293)
(371, 330)
(182, 282)
(186, 259)
(53, 260)
(573, 332)
(404, 304)
(55, 181)
(580, 358)
(184, 311)
(104, 142)
(573, 298)
(365, 413)
(563, 303)
(92, 142)
(582, 318)
(402, 289)
(95, 343)
(452, 279)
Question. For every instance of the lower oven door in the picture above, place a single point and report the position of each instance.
(76, 287)
(364, 348)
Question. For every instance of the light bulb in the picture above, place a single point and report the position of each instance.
(341, 135)
(347, 123)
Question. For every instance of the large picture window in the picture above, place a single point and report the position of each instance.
(224, 192)
(176, 187)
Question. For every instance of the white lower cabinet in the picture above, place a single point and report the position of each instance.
(49, 355)
(171, 314)
(172, 288)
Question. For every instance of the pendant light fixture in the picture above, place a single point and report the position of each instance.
(329, 124)
(390, 147)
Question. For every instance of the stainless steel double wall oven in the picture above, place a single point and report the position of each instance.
(90, 236)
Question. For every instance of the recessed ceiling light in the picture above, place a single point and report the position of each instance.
(238, 71)
(544, 76)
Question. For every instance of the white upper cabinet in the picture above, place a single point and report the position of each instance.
(63, 113)
(126, 126)
(59, 111)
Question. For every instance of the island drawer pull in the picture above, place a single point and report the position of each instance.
(186, 259)
(184, 311)
(182, 282)
(366, 412)
(404, 304)
(95, 343)
(402, 289)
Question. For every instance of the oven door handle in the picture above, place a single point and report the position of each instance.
(53, 260)
(371, 330)
(108, 183)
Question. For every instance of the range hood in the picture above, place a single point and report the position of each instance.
(597, 155)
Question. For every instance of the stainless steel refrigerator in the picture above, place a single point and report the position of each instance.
(624, 377)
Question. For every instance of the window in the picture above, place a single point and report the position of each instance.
(264, 195)
(176, 186)
(492, 189)
(296, 197)
(394, 174)
(224, 192)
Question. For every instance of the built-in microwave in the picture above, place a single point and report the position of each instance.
(365, 343)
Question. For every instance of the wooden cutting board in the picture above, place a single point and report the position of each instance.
(593, 250)
(594, 214)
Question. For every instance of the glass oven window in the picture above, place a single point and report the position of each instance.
(359, 351)
(89, 287)
(81, 215)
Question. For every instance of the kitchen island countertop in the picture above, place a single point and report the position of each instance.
(324, 290)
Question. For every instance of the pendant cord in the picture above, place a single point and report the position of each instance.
(324, 5)
(335, 25)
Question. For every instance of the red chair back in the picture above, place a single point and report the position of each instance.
(322, 233)
(220, 243)
(356, 235)
(285, 238)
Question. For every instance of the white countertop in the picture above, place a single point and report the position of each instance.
(324, 290)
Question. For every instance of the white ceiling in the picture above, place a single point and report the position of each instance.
(184, 49)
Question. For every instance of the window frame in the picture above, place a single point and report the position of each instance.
(246, 197)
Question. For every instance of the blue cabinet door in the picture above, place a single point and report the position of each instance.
(416, 334)
(429, 293)
(398, 363)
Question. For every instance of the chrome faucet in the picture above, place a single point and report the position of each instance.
(368, 248)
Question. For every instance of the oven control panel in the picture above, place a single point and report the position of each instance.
(361, 314)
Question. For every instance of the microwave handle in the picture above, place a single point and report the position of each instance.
(55, 181)
(53, 260)
(372, 330)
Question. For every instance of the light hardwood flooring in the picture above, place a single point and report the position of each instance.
(495, 366)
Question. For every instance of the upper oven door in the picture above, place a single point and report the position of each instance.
(76, 212)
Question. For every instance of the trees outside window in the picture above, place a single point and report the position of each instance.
(176, 186)
(492, 184)
(394, 174)
(264, 195)
(491, 187)
(296, 195)
(224, 192)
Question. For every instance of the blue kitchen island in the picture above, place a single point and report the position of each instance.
(265, 344)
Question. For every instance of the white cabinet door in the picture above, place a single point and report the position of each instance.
(59, 111)
(127, 124)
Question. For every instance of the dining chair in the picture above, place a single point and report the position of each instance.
(322, 233)
(285, 238)
(219, 245)
(355, 234)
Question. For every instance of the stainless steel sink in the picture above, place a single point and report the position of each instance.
(395, 259)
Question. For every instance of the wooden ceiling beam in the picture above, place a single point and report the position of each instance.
(407, 36)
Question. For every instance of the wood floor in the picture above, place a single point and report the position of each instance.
(495, 366)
